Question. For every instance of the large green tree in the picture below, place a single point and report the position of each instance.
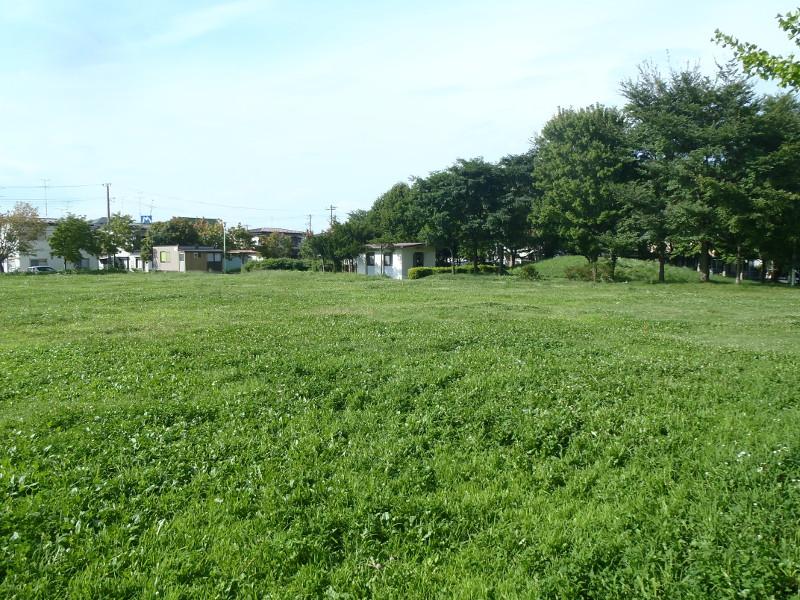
(275, 245)
(120, 233)
(477, 189)
(508, 221)
(336, 245)
(443, 221)
(239, 238)
(773, 182)
(71, 236)
(692, 137)
(183, 231)
(395, 215)
(583, 158)
(19, 228)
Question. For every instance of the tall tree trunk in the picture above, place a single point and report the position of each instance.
(662, 259)
(705, 263)
(613, 265)
(452, 260)
(475, 260)
(793, 266)
(594, 270)
(501, 254)
(739, 264)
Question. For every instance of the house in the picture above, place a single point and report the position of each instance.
(394, 260)
(238, 258)
(124, 259)
(130, 261)
(297, 237)
(41, 255)
(187, 258)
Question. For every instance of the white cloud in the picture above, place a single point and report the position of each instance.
(189, 26)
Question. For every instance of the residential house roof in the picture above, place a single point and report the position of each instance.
(268, 230)
(396, 245)
(190, 248)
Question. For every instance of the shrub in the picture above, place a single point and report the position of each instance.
(277, 264)
(420, 272)
(489, 269)
(584, 272)
(528, 271)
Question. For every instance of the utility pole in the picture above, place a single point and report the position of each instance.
(331, 208)
(309, 225)
(108, 221)
(44, 185)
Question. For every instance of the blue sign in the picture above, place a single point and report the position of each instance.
(146, 219)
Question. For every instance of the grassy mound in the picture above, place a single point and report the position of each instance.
(628, 269)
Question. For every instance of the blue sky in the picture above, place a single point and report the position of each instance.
(263, 112)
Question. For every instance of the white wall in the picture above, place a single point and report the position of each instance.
(41, 254)
(402, 261)
(429, 259)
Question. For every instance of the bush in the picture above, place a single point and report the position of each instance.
(584, 272)
(420, 272)
(490, 270)
(277, 264)
(528, 271)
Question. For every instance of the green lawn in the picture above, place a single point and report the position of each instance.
(308, 435)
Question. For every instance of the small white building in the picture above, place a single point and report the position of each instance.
(130, 261)
(394, 260)
(180, 259)
(41, 255)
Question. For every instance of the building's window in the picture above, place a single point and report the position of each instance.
(38, 262)
(419, 259)
(163, 256)
(197, 255)
(370, 259)
(215, 257)
(387, 259)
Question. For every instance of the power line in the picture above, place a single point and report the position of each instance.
(46, 186)
(50, 200)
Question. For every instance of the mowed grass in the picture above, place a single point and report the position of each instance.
(305, 435)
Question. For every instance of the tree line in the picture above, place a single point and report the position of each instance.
(692, 166)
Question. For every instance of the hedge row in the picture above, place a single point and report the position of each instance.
(420, 272)
(278, 264)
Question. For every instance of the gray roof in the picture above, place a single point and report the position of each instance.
(190, 248)
(266, 230)
(396, 245)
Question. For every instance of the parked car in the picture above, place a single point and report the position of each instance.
(41, 270)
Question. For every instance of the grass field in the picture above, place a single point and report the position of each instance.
(306, 435)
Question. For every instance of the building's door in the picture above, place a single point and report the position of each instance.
(419, 259)
(182, 262)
